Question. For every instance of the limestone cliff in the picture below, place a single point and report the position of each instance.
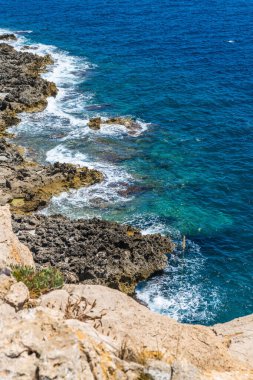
(93, 332)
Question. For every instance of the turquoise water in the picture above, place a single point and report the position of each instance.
(184, 70)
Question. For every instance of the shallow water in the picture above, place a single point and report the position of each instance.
(184, 70)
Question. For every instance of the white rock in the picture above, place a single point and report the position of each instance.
(17, 295)
(12, 252)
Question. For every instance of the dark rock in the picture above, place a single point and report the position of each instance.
(8, 37)
(94, 251)
(21, 83)
(28, 186)
(95, 123)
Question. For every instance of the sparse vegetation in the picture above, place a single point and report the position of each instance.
(139, 355)
(38, 282)
(83, 311)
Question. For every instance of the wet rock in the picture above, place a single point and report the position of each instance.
(28, 186)
(96, 251)
(8, 37)
(95, 123)
(21, 81)
(131, 125)
(29, 47)
(95, 107)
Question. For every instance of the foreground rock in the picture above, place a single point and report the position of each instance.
(94, 251)
(95, 333)
(131, 125)
(12, 252)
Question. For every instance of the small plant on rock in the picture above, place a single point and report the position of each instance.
(38, 281)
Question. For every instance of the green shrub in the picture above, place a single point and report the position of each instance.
(38, 282)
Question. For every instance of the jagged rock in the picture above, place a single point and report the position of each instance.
(12, 252)
(28, 186)
(6, 309)
(99, 333)
(8, 37)
(238, 336)
(17, 295)
(165, 348)
(95, 123)
(130, 124)
(21, 82)
(39, 343)
(96, 251)
(57, 299)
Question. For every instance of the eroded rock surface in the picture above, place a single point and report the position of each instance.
(21, 86)
(28, 186)
(131, 125)
(12, 252)
(95, 333)
(94, 251)
(8, 37)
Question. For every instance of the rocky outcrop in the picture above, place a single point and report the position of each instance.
(21, 86)
(95, 333)
(94, 251)
(8, 37)
(131, 125)
(193, 351)
(12, 252)
(27, 186)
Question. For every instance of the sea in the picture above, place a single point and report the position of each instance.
(184, 71)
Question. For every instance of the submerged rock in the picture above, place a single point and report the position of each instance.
(95, 251)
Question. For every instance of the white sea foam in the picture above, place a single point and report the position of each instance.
(181, 292)
(66, 113)
(172, 293)
(67, 109)
(100, 195)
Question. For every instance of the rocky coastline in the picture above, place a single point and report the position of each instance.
(95, 252)
(86, 329)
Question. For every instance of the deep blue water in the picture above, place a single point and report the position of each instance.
(186, 69)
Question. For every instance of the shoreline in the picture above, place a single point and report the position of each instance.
(28, 186)
(99, 333)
